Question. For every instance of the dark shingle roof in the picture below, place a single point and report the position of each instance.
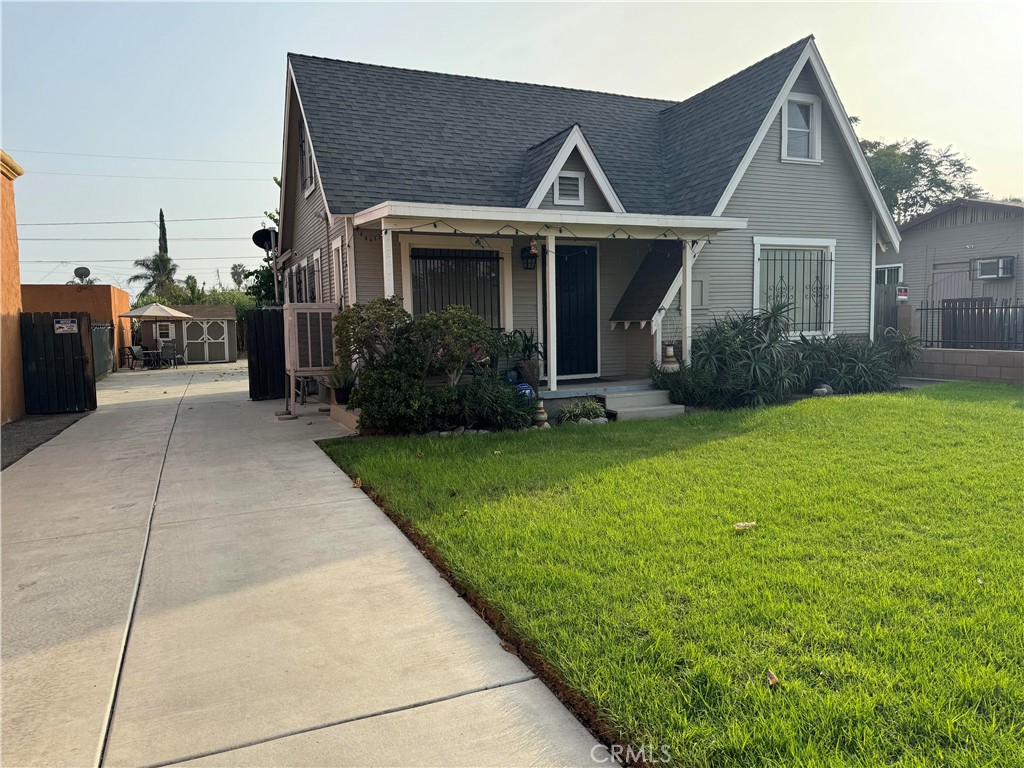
(381, 133)
(536, 163)
(646, 291)
(707, 135)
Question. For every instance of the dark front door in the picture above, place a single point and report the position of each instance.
(576, 310)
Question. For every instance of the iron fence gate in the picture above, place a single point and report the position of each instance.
(103, 349)
(57, 364)
(265, 342)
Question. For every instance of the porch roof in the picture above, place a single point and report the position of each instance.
(537, 222)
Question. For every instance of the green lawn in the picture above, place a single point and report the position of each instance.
(883, 584)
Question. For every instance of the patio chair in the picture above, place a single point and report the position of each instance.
(168, 357)
(135, 356)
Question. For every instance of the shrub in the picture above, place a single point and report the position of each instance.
(365, 333)
(483, 402)
(581, 409)
(902, 350)
(390, 390)
(453, 339)
(750, 360)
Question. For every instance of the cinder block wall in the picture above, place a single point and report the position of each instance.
(971, 364)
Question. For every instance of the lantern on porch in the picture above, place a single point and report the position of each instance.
(529, 255)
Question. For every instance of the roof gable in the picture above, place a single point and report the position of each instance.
(572, 140)
(993, 210)
(536, 162)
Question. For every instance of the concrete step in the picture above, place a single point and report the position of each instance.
(648, 412)
(617, 401)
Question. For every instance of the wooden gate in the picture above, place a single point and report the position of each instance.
(264, 330)
(56, 357)
(886, 307)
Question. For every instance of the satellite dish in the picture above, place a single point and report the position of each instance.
(265, 239)
(82, 272)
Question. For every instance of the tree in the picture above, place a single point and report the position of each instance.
(275, 215)
(195, 294)
(261, 285)
(238, 275)
(83, 281)
(915, 177)
(156, 274)
(162, 240)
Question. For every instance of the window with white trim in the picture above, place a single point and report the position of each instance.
(569, 188)
(801, 128)
(991, 269)
(799, 274)
(890, 275)
(165, 331)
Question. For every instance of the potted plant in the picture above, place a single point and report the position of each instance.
(530, 352)
(343, 380)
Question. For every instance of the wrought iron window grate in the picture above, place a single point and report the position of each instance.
(801, 277)
(445, 276)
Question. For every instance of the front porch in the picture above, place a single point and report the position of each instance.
(597, 303)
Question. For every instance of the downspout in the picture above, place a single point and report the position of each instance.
(871, 290)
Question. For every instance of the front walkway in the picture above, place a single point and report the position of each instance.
(281, 618)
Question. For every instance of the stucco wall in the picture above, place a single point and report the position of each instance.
(12, 392)
(104, 303)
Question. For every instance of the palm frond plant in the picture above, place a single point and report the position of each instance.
(156, 273)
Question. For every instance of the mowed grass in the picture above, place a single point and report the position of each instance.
(883, 584)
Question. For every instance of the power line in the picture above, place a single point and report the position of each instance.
(137, 157)
(118, 176)
(132, 221)
(122, 239)
(132, 259)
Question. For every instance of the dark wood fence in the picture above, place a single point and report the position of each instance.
(57, 365)
(972, 324)
(265, 355)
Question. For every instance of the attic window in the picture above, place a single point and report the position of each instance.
(801, 129)
(569, 188)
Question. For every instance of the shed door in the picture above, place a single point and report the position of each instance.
(206, 341)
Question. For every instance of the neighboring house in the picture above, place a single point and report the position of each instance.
(210, 336)
(661, 215)
(12, 385)
(967, 249)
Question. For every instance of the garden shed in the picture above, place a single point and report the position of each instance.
(210, 335)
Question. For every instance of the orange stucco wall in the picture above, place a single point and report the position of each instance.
(12, 392)
(103, 303)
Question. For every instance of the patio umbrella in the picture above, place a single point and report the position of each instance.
(156, 311)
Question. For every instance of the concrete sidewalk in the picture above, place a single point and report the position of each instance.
(281, 618)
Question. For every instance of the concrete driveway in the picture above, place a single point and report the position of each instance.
(187, 580)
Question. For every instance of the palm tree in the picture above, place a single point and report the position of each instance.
(157, 273)
(238, 275)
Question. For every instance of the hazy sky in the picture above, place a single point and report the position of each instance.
(206, 81)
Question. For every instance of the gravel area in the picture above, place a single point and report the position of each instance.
(19, 438)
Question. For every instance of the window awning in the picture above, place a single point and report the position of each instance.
(646, 291)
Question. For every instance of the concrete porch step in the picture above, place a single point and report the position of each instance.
(649, 412)
(619, 401)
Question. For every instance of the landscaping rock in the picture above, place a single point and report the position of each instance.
(458, 431)
(433, 433)
(545, 425)
(601, 420)
(584, 422)
(483, 431)
(823, 391)
(444, 434)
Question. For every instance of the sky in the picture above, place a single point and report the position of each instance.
(205, 82)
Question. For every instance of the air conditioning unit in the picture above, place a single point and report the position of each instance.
(308, 344)
(309, 338)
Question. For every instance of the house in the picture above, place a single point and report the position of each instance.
(209, 336)
(12, 386)
(966, 249)
(611, 225)
(104, 303)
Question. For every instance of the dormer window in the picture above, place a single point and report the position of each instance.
(801, 129)
(569, 188)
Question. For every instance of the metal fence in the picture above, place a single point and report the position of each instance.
(972, 324)
(103, 349)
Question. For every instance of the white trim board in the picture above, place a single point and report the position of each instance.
(576, 140)
(813, 57)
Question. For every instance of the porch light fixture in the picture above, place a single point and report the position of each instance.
(529, 255)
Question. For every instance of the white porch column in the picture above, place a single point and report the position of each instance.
(389, 264)
(551, 347)
(687, 298)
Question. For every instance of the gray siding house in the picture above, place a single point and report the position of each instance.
(612, 226)
(967, 249)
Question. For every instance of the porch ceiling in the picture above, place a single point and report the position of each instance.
(482, 220)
